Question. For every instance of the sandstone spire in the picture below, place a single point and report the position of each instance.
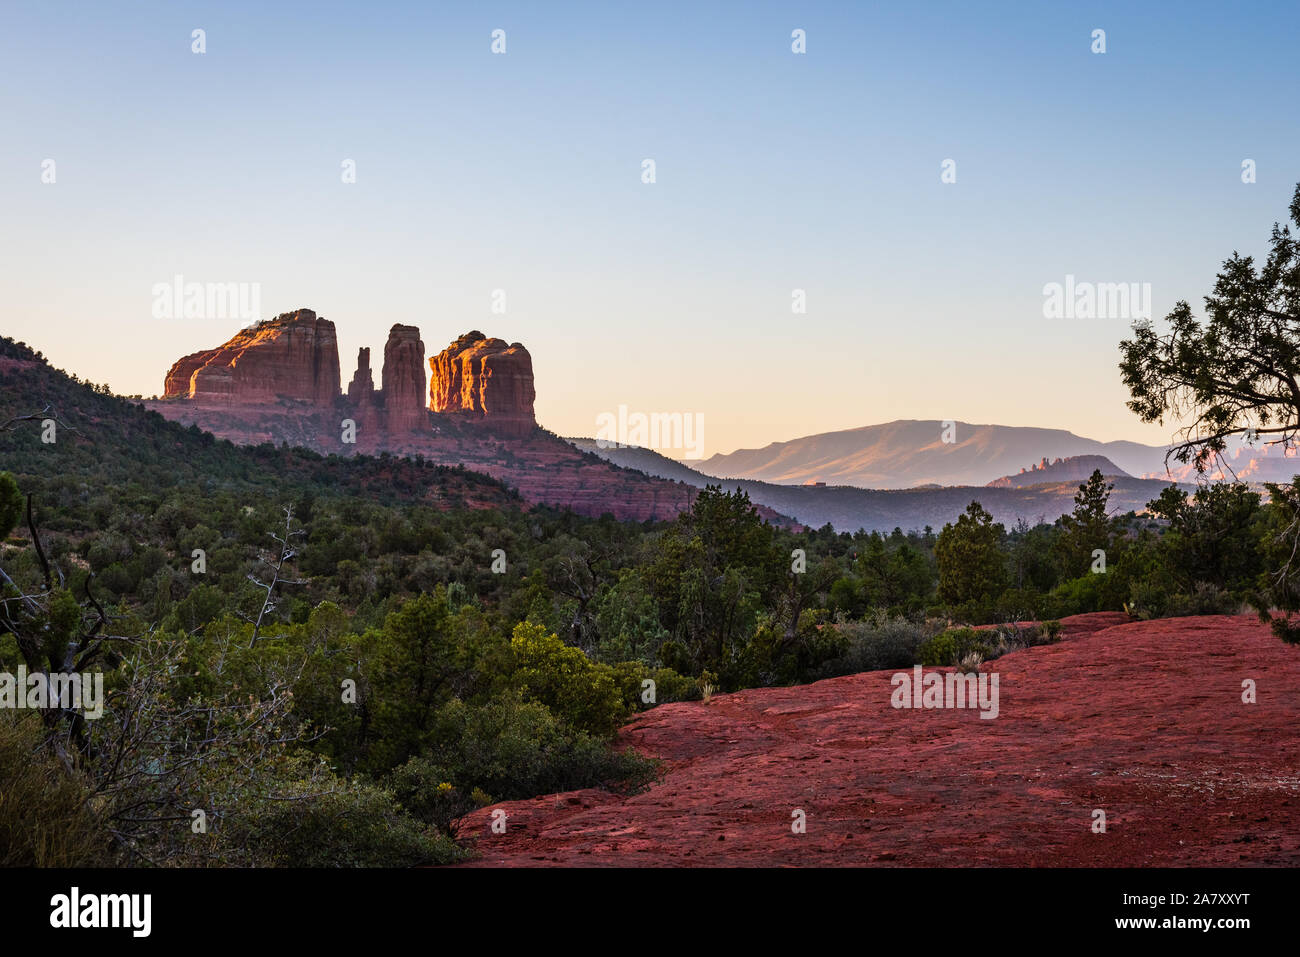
(404, 381)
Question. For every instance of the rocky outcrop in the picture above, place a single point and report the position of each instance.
(404, 381)
(293, 356)
(177, 382)
(1072, 468)
(481, 394)
(485, 378)
(363, 400)
(363, 382)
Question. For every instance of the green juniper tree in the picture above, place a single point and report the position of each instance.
(1238, 372)
(971, 565)
(1235, 374)
(1088, 528)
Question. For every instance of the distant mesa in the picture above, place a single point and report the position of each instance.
(1073, 468)
(293, 359)
(278, 383)
(293, 356)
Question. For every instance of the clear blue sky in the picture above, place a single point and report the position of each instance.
(775, 171)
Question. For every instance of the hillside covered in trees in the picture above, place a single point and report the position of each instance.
(311, 660)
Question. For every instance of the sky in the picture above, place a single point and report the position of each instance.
(775, 171)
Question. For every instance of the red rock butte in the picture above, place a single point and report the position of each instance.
(278, 381)
(484, 377)
(294, 358)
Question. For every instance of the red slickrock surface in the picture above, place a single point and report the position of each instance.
(485, 377)
(1141, 719)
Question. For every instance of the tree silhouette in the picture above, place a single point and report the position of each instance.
(1238, 372)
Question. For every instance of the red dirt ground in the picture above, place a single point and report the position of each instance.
(1141, 719)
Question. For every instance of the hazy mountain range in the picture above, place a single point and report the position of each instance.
(848, 509)
(902, 474)
(910, 453)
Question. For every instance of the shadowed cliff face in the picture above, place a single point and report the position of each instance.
(396, 410)
(363, 399)
(404, 381)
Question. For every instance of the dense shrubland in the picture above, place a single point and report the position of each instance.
(397, 681)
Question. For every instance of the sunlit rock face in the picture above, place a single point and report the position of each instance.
(293, 356)
(485, 378)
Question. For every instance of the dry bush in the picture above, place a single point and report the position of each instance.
(45, 820)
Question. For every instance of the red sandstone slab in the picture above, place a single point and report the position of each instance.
(1143, 720)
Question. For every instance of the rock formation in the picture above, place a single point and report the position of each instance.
(293, 356)
(1072, 468)
(363, 401)
(485, 378)
(363, 383)
(404, 381)
(278, 382)
(178, 380)
(481, 394)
